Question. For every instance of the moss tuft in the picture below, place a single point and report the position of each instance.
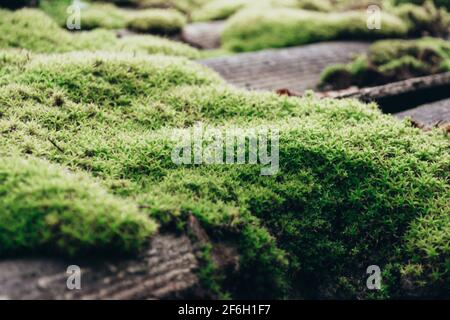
(389, 61)
(350, 178)
(426, 19)
(254, 29)
(223, 9)
(157, 21)
(33, 30)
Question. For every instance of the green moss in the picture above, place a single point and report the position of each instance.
(35, 31)
(223, 9)
(185, 6)
(157, 21)
(439, 3)
(104, 16)
(57, 9)
(44, 207)
(354, 187)
(255, 29)
(147, 44)
(111, 79)
(392, 60)
(220, 9)
(424, 19)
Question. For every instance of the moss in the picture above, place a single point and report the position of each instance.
(35, 31)
(111, 79)
(392, 60)
(439, 3)
(57, 9)
(255, 29)
(147, 44)
(350, 178)
(104, 16)
(157, 21)
(424, 19)
(44, 207)
(185, 6)
(223, 9)
(220, 9)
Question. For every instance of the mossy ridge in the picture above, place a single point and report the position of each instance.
(255, 29)
(185, 6)
(338, 158)
(389, 61)
(33, 30)
(45, 208)
(157, 21)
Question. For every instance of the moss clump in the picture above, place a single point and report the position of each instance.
(35, 31)
(103, 15)
(44, 207)
(426, 19)
(146, 44)
(157, 21)
(185, 6)
(57, 9)
(223, 9)
(220, 9)
(110, 79)
(389, 61)
(255, 29)
(439, 3)
(354, 187)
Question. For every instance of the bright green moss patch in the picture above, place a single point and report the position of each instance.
(157, 21)
(256, 29)
(389, 61)
(354, 187)
(109, 16)
(44, 207)
(35, 31)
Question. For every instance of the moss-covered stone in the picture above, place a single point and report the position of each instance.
(389, 61)
(354, 187)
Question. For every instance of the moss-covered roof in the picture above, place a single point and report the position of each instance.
(354, 186)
